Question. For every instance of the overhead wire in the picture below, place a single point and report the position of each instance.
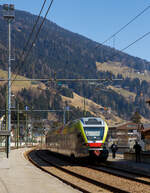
(111, 36)
(29, 51)
(34, 27)
(123, 27)
(31, 33)
(27, 43)
(33, 40)
(140, 38)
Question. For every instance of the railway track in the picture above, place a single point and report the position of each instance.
(127, 170)
(77, 181)
(85, 179)
(120, 172)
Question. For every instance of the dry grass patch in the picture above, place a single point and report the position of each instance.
(129, 96)
(19, 85)
(92, 107)
(116, 68)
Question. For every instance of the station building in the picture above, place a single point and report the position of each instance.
(125, 135)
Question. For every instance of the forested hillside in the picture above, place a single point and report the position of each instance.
(61, 53)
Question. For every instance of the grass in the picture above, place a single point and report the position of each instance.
(92, 107)
(116, 68)
(130, 96)
(17, 85)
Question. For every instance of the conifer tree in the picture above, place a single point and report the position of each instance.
(136, 118)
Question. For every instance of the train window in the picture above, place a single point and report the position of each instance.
(94, 133)
(92, 122)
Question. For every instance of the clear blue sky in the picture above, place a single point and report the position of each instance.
(98, 19)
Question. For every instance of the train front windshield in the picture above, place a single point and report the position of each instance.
(94, 133)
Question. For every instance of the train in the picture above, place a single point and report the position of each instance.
(84, 137)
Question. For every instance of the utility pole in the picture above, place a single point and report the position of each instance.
(26, 125)
(32, 136)
(84, 108)
(9, 16)
(32, 125)
(6, 113)
(17, 124)
(26, 130)
(114, 41)
(6, 125)
(66, 109)
(64, 116)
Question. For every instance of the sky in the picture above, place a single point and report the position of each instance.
(98, 20)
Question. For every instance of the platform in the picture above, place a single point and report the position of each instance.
(131, 165)
(17, 175)
(145, 156)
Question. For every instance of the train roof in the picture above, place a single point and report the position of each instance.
(90, 121)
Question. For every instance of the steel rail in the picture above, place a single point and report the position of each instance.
(107, 165)
(30, 158)
(125, 176)
(84, 178)
(136, 175)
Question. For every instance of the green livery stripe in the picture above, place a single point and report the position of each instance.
(82, 131)
(105, 132)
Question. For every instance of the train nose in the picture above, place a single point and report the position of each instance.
(94, 144)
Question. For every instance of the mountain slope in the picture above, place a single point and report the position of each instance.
(60, 50)
(71, 55)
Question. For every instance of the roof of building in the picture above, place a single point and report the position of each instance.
(126, 125)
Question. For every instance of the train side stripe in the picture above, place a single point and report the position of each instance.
(83, 133)
(105, 133)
